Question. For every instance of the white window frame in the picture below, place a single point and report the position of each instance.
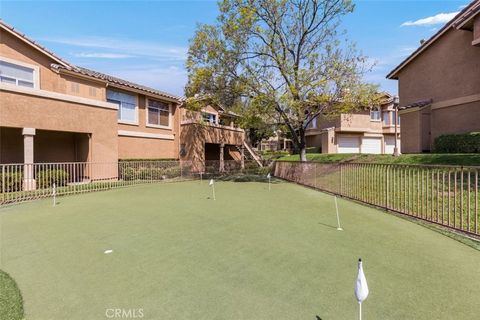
(374, 110)
(147, 124)
(133, 123)
(210, 113)
(389, 122)
(36, 72)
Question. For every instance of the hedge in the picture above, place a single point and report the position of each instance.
(46, 178)
(457, 143)
(13, 181)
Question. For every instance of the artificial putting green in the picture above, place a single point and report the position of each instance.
(251, 254)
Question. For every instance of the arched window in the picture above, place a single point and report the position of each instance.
(375, 114)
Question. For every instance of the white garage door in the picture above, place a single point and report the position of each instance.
(348, 145)
(390, 144)
(371, 145)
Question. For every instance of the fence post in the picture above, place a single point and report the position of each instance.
(341, 179)
(3, 183)
(387, 182)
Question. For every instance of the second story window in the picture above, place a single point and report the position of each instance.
(17, 75)
(375, 114)
(209, 117)
(313, 124)
(127, 105)
(158, 113)
(386, 118)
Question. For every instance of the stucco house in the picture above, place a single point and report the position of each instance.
(54, 111)
(439, 83)
(368, 130)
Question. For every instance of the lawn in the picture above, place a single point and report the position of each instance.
(472, 159)
(251, 254)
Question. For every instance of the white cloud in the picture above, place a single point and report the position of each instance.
(101, 55)
(433, 20)
(129, 47)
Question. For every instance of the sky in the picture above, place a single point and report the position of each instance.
(147, 41)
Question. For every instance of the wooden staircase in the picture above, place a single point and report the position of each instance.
(251, 154)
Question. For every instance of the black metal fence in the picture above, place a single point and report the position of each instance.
(446, 195)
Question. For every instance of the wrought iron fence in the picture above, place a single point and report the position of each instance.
(23, 182)
(446, 195)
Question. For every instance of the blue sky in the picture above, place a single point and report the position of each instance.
(147, 41)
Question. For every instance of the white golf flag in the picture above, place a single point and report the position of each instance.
(361, 287)
(211, 182)
(269, 176)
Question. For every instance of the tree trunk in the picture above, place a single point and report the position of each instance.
(303, 145)
(303, 154)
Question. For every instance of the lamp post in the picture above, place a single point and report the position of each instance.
(396, 103)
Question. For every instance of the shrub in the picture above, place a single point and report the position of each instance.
(457, 143)
(13, 181)
(313, 150)
(148, 173)
(46, 178)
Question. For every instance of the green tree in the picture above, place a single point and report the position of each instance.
(283, 60)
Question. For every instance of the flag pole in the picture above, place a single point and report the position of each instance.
(360, 311)
(269, 182)
(339, 228)
(213, 188)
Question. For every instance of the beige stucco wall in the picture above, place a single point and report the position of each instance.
(456, 119)
(150, 148)
(448, 69)
(25, 111)
(448, 73)
(411, 128)
(49, 114)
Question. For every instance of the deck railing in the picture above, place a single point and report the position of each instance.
(445, 195)
(24, 182)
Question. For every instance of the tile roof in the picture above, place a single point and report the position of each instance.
(33, 43)
(417, 104)
(64, 65)
(114, 80)
(468, 12)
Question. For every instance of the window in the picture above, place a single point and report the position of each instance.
(74, 87)
(158, 113)
(127, 105)
(92, 91)
(17, 75)
(375, 114)
(313, 123)
(398, 121)
(209, 117)
(386, 118)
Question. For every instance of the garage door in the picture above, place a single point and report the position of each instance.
(371, 145)
(390, 144)
(348, 145)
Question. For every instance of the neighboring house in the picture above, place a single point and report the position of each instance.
(369, 130)
(210, 134)
(439, 83)
(53, 111)
(278, 142)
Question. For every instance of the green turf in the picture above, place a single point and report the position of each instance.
(11, 304)
(251, 254)
(425, 159)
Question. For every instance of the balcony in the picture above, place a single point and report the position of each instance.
(211, 132)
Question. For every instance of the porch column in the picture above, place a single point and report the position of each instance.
(222, 163)
(28, 169)
(242, 151)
